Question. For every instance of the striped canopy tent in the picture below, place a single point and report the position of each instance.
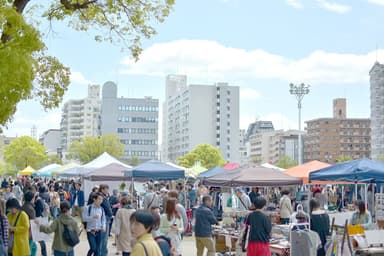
(26, 171)
(64, 168)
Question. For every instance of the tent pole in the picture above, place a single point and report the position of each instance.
(356, 190)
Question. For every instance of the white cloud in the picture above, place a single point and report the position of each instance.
(78, 78)
(334, 7)
(380, 2)
(294, 3)
(209, 60)
(22, 124)
(249, 94)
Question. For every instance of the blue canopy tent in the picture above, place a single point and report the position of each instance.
(357, 171)
(360, 170)
(154, 169)
(46, 171)
(212, 172)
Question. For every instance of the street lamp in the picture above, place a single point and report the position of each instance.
(299, 91)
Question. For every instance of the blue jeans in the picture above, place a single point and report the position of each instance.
(58, 253)
(126, 253)
(284, 221)
(104, 239)
(94, 240)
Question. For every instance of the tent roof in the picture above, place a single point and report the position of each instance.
(302, 171)
(268, 165)
(211, 172)
(156, 170)
(26, 171)
(252, 176)
(101, 161)
(231, 166)
(360, 170)
(110, 172)
(47, 170)
(65, 167)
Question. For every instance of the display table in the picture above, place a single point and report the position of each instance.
(280, 249)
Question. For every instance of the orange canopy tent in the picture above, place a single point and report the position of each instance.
(302, 171)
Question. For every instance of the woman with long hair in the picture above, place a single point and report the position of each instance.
(361, 216)
(172, 226)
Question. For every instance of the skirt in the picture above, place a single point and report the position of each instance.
(258, 249)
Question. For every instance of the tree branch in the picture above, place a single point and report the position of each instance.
(20, 5)
(70, 6)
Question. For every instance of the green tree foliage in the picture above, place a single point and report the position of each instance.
(134, 161)
(25, 151)
(286, 162)
(26, 71)
(343, 158)
(53, 159)
(207, 155)
(90, 148)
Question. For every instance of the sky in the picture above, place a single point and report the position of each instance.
(260, 46)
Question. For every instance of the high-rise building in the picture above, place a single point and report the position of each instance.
(271, 146)
(329, 138)
(134, 120)
(51, 139)
(198, 114)
(243, 159)
(377, 110)
(259, 127)
(81, 118)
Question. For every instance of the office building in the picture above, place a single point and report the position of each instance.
(198, 114)
(329, 138)
(51, 140)
(376, 75)
(134, 120)
(271, 146)
(258, 127)
(243, 158)
(81, 118)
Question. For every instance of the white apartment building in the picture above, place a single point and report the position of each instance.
(51, 139)
(198, 114)
(242, 148)
(134, 120)
(269, 147)
(81, 118)
(377, 110)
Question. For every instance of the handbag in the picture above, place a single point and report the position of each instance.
(11, 237)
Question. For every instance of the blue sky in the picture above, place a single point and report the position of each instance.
(261, 46)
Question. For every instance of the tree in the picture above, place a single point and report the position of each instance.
(134, 161)
(343, 158)
(53, 159)
(89, 148)
(207, 155)
(286, 162)
(25, 151)
(26, 71)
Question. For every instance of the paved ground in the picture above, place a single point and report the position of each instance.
(81, 249)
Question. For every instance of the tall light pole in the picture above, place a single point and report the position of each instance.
(299, 91)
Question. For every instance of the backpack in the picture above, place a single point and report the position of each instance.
(70, 236)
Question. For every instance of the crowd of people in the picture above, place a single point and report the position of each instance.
(155, 225)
